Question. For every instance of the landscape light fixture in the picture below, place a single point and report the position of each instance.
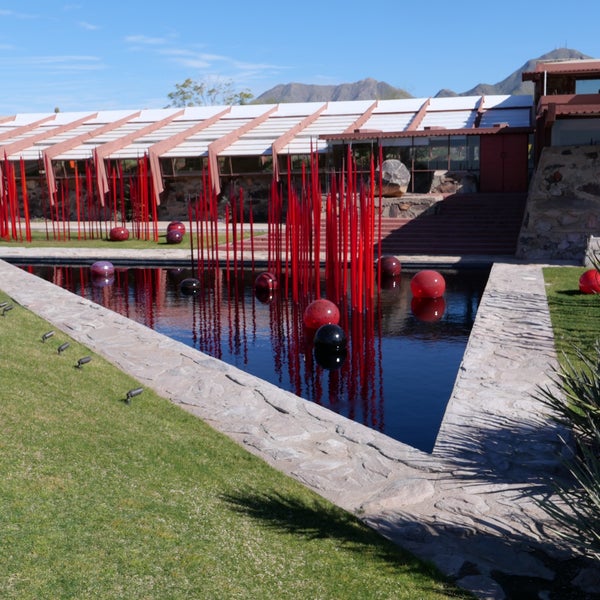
(3, 304)
(7, 308)
(132, 394)
(47, 335)
(83, 361)
(63, 347)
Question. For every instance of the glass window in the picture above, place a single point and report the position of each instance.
(587, 86)
(464, 153)
(438, 153)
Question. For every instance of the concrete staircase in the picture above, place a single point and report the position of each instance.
(465, 224)
(459, 225)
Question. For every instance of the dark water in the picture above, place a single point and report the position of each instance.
(401, 360)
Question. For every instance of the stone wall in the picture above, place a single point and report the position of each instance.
(256, 190)
(409, 206)
(563, 205)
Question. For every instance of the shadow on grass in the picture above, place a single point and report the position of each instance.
(317, 520)
(522, 568)
(314, 520)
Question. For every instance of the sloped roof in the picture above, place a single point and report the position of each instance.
(563, 67)
(247, 130)
(332, 118)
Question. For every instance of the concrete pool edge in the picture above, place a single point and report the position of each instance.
(462, 505)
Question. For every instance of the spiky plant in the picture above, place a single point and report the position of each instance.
(574, 397)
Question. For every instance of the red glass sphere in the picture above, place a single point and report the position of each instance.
(119, 234)
(321, 312)
(176, 226)
(266, 281)
(264, 295)
(428, 310)
(589, 282)
(174, 236)
(102, 268)
(428, 284)
(390, 266)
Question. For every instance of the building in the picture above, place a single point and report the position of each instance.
(482, 140)
(567, 103)
(562, 216)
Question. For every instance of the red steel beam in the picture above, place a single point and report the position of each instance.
(18, 145)
(362, 119)
(219, 145)
(18, 131)
(289, 135)
(163, 146)
(54, 151)
(103, 151)
(418, 118)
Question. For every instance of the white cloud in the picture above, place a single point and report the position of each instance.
(88, 26)
(59, 62)
(17, 15)
(145, 40)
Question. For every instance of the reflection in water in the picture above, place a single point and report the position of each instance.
(395, 373)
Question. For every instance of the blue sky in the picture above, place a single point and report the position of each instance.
(130, 54)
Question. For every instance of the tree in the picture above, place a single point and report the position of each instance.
(201, 93)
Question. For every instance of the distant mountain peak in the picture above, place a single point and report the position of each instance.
(514, 84)
(365, 89)
(371, 89)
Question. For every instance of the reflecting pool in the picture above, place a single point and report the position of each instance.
(402, 355)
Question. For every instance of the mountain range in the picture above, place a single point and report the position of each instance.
(371, 89)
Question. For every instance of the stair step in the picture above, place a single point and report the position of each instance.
(461, 224)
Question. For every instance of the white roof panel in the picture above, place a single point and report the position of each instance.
(195, 146)
(248, 111)
(400, 105)
(454, 103)
(457, 119)
(349, 107)
(298, 109)
(387, 122)
(152, 115)
(498, 101)
(110, 116)
(516, 117)
(305, 146)
(200, 113)
(66, 118)
(248, 147)
(26, 119)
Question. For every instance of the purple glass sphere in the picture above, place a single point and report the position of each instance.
(174, 236)
(102, 268)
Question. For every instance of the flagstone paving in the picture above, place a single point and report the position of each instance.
(466, 506)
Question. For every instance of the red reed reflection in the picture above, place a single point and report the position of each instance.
(226, 318)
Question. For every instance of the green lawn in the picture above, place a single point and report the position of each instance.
(575, 316)
(60, 238)
(104, 499)
(43, 239)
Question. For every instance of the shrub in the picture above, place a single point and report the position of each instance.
(574, 397)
